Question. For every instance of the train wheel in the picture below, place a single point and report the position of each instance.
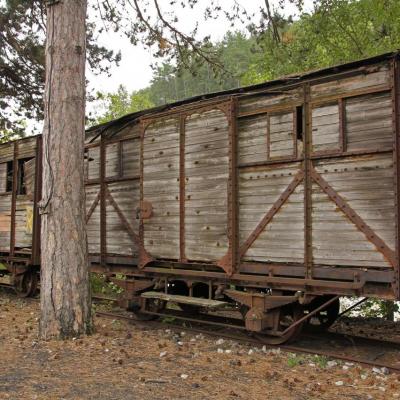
(26, 284)
(325, 318)
(287, 316)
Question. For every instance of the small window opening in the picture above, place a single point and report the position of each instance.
(299, 123)
(21, 182)
(21, 188)
(10, 173)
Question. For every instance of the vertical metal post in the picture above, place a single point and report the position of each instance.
(14, 198)
(35, 260)
(395, 86)
(182, 192)
(232, 187)
(342, 124)
(307, 139)
(103, 205)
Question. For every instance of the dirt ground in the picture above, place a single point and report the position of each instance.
(121, 361)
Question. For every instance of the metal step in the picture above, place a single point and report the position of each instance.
(195, 301)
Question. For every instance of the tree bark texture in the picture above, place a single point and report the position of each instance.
(65, 293)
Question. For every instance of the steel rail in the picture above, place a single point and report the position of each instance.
(256, 339)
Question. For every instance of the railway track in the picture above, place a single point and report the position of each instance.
(364, 351)
(361, 350)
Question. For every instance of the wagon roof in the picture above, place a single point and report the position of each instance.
(119, 123)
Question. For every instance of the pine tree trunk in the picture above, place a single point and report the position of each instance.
(65, 294)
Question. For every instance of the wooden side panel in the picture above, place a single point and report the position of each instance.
(369, 122)
(93, 225)
(252, 104)
(5, 222)
(29, 174)
(161, 188)
(127, 197)
(283, 238)
(3, 177)
(370, 79)
(325, 127)
(7, 152)
(27, 147)
(93, 161)
(366, 184)
(112, 160)
(252, 139)
(281, 134)
(128, 132)
(206, 185)
(23, 224)
(131, 157)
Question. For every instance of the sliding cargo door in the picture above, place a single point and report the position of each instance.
(185, 178)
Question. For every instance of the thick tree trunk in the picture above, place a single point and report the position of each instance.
(65, 295)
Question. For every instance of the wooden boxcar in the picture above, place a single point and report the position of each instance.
(277, 197)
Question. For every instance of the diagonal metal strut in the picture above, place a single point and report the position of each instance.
(270, 214)
(361, 225)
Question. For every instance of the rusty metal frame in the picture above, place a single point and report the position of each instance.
(14, 199)
(395, 83)
(298, 178)
(307, 148)
(352, 215)
(229, 262)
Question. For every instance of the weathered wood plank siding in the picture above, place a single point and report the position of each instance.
(3, 177)
(325, 127)
(24, 206)
(93, 224)
(283, 238)
(127, 197)
(374, 78)
(5, 222)
(366, 184)
(369, 122)
(281, 134)
(206, 180)
(161, 187)
(23, 223)
(252, 139)
(249, 105)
